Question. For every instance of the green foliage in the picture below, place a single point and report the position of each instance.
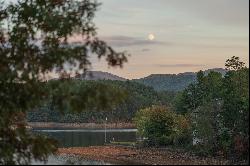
(207, 127)
(220, 109)
(126, 98)
(167, 97)
(78, 96)
(236, 110)
(36, 42)
(18, 146)
(236, 99)
(161, 126)
(205, 90)
(174, 82)
(168, 82)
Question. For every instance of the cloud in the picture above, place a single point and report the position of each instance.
(228, 12)
(145, 50)
(125, 41)
(178, 65)
(225, 12)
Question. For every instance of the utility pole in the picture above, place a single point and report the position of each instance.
(105, 130)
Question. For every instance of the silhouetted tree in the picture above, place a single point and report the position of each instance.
(34, 41)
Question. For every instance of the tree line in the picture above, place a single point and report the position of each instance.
(126, 98)
(216, 113)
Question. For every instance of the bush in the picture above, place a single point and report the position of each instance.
(161, 126)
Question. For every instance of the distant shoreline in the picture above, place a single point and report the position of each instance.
(53, 125)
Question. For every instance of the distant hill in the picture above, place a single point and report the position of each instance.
(168, 82)
(160, 82)
(173, 82)
(99, 75)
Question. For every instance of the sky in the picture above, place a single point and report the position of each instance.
(173, 36)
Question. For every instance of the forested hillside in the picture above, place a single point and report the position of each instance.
(136, 97)
(99, 75)
(173, 82)
(141, 93)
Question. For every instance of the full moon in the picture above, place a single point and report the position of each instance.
(151, 37)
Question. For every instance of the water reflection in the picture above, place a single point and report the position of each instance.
(84, 138)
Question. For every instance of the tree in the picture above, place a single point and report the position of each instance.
(207, 127)
(234, 64)
(206, 89)
(161, 126)
(35, 42)
(134, 96)
(236, 106)
(220, 109)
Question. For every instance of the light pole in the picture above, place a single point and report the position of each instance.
(105, 130)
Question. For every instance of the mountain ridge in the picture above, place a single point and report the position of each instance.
(160, 82)
(220, 70)
(173, 82)
(99, 75)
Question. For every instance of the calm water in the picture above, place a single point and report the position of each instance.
(84, 138)
(68, 160)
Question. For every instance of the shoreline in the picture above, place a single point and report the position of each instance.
(140, 156)
(53, 125)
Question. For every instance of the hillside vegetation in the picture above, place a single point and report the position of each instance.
(141, 93)
(135, 97)
(173, 82)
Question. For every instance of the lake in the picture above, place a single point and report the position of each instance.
(85, 138)
(68, 160)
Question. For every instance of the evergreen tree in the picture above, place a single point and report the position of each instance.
(34, 41)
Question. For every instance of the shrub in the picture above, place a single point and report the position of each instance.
(161, 126)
